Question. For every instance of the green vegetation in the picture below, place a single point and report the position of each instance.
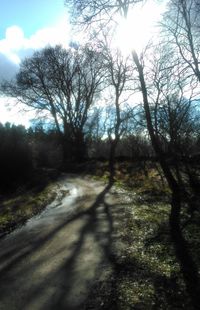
(150, 276)
(147, 273)
(100, 104)
(27, 201)
(144, 178)
(17, 210)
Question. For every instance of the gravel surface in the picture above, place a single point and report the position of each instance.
(56, 258)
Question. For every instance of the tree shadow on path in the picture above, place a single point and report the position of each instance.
(61, 279)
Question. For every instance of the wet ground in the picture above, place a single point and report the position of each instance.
(55, 259)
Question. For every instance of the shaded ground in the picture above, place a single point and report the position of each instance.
(94, 247)
(52, 261)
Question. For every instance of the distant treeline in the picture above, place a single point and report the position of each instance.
(23, 151)
(15, 155)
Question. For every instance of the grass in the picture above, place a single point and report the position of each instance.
(148, 274)
(144, 179)
(18, 207)
(152, 278)
(16, 211)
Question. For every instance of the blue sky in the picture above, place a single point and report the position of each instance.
(25, 26)
(30, 15)
(29, 25)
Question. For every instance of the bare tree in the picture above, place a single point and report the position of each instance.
(119, 79)
(172, 96)
(182, 24)
(100, 10)
(63, 83)
(89, 11)
(190, 275)
(122, 7)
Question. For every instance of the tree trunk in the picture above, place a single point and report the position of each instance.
(79, 147)
(113, 146)
(188, 267)
(187, 264)
(165, 167)
(66, 148)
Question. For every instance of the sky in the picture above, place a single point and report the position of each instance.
(30, 15)
(28, 25)
(25, 26)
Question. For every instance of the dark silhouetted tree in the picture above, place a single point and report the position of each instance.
(63, 83)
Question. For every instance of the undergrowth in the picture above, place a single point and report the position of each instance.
(16, 211)
(147, 273)
(28, 200)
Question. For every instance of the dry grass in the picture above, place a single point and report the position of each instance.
(18, 207)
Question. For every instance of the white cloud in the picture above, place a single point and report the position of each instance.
(13, 113)
(15, 44)
(13, 48)
(51, 35)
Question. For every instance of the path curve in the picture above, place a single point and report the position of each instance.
(52, 261)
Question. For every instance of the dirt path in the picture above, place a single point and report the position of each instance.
(56, 258)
